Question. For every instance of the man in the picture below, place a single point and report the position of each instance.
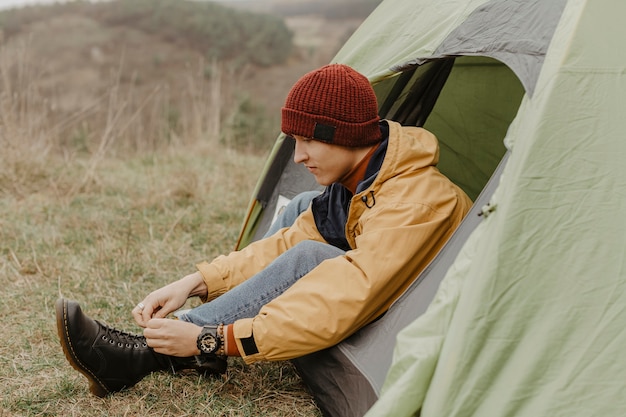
(385, 213)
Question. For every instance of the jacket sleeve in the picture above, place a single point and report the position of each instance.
(228, 271)
(344, 293)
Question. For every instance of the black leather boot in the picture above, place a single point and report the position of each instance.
(113, 360)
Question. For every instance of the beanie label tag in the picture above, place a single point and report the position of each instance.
(324, 133)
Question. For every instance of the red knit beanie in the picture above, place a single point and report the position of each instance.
(333, 104)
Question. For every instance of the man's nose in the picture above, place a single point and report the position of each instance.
(299, 155)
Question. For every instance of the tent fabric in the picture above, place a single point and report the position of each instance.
(494, 29)
(474, 109)
(523, 315)
(470, 117)
(393, 34)
(529, 320)
(515, 32)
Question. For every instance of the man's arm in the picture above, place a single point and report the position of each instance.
(343, 294)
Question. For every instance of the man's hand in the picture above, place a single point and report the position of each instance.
(172, 337)
(165, 300)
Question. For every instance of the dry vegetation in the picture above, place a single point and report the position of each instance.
(111, 191)
(105, 222)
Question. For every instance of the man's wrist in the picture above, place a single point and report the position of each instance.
(197, 284)
(230, 345)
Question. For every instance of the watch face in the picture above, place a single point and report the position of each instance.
(208, 343)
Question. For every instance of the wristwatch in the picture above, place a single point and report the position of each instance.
(210, 339)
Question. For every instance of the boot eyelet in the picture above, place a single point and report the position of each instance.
(128, 345)
(136, 345)
(144, 344)
(119, 344)
(104, 337)
(111, 341)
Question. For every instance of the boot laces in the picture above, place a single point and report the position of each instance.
(122, 339)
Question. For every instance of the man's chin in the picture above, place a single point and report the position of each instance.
(322, 182)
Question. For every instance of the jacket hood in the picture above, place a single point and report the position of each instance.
(409, 149)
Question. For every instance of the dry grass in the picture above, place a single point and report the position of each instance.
(105, 221)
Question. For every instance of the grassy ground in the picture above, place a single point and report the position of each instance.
(104, 218)
(115, 179)
(138, 222)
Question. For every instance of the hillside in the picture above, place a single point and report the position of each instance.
(329, 9)
(75, 61)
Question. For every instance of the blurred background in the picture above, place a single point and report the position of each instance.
(132, 134)
(183, 69)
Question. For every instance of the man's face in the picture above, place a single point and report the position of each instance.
(328, 163)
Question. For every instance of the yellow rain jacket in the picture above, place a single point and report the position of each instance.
(394, 228)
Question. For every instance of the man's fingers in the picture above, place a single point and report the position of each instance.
(143, 312)
(137, 313)
(155, 324)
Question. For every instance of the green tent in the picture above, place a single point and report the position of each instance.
(521, 313)
(530, 318)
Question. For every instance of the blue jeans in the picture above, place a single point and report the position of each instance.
(246, 299)
(291, 211)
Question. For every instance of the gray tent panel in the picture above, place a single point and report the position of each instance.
(292, 179)
(515, 32)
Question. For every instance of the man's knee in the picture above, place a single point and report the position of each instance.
(303, 200)
(314, 249)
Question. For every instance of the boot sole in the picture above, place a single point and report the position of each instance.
(96, 387)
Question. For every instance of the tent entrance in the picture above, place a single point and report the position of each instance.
(467, 102)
